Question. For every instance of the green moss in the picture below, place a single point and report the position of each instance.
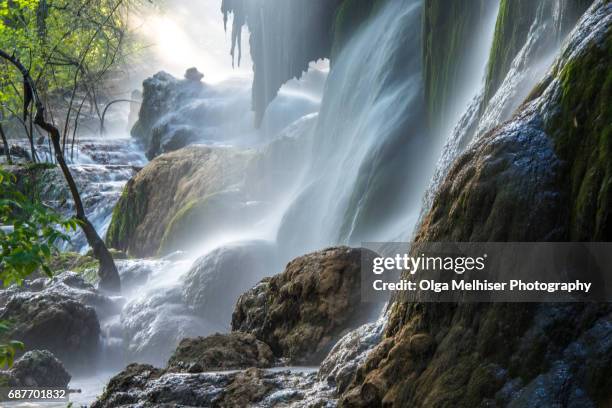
(194, 219)
(127, 215)
(448, 30)
(72, 261)
(511, 29)
(514, 20)
(582, 132)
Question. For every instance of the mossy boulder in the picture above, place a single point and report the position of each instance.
(301, 312)
(542, 176)
(220, 212)
(164, 189)
(220, 352)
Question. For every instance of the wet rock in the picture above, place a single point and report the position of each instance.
(69, 284)
(538, 177)
(192, 74)
(135, 273)
(340, 366)
(146, 386)
(162, 93)
(38, 369)
(220, 352)
(164, 191)
(217, 280)
(301, 312)
(121, 389)
(55, 322)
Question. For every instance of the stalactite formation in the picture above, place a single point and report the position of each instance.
(286, 35)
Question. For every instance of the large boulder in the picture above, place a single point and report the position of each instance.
(162, 93)
(69, 284)
(542, 176)
(220, 352)
(55, 322)
(171, 189)
(38, 369)
(301, 312)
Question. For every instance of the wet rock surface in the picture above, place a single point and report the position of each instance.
(220, 352)
(301, 312)
(37, 369)
(55, 322)
(165, 191)
(162, 93)
(69, 284)
(146, 386)
(519, 182)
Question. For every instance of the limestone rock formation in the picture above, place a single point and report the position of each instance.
(295, 34)
(145, 386)
(220, 352)
(301, 312)
(170, 188)
(542, 176)
(154, 128)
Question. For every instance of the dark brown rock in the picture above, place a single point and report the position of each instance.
(220, 352)
(301, 312)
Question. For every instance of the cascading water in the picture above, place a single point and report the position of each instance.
(358, 171)
(354, 172)
(370, 150)
(543, 41)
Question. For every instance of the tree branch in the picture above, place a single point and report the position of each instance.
(109, 277)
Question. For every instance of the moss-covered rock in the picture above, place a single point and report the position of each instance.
(513, 24)
(153, 198)
(301, 312)
(543, 176)
(220, 352)
(448, 34)
(221, 211)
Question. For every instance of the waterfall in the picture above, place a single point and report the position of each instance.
(370, 148)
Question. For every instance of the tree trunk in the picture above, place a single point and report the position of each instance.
(109, 277)
(7, 150)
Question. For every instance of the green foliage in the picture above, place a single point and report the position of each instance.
(9, 349)
(29, 232)
(70, 47)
